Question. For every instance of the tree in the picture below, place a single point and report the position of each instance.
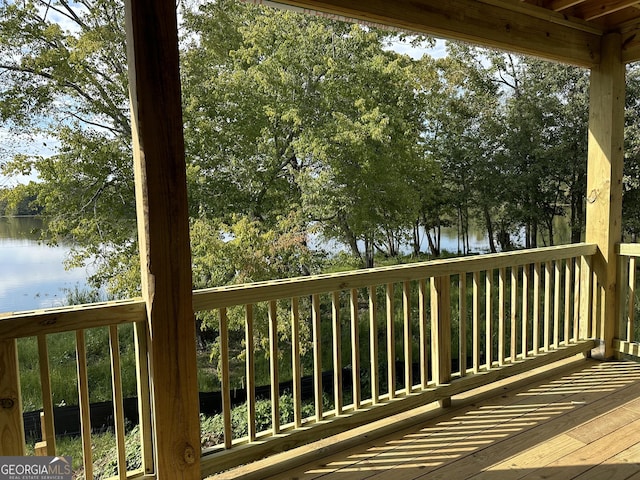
(464, 139)
(70, 84)
(300, 112)
(545, 149)
(19, 200)
(631, 177)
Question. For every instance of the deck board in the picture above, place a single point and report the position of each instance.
(583, 423)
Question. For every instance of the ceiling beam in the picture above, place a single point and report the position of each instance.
(631, 47)
(488, 23)
(591, 11)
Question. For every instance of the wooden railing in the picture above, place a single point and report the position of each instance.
(385, 340)
(45, 323)
(334, 351)
(628, 338)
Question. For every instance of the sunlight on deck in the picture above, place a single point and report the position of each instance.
(583, 424)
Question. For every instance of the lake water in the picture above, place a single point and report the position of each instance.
(32, 274)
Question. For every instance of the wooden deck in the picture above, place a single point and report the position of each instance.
(580, 423)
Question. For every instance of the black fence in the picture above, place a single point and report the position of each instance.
(67, 418)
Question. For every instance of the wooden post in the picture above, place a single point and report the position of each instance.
(11, 425)
(40, 448)
(604, 179)
(163, 233)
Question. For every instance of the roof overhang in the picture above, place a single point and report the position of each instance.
(568, 31)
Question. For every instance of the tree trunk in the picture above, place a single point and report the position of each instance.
(577, 216)
(352, 241)
(416, 238)
(433, 248)
(533, 232)
(489, 225)
(368, 249)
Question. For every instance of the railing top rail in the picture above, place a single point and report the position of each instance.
(65, 319)
(629, 249)
(231, 295)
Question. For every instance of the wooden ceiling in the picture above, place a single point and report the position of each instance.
(569, 31)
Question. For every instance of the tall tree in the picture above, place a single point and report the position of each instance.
(546, 117)
(301, 112)
(64, 75)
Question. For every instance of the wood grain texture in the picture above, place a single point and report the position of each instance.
(47, 398)
(163, 233)
(84, 403)
(11, 426)
(604, 177)
(514, 26)
(212, 298)
(522, 430)
(68, 319)
(220, 460)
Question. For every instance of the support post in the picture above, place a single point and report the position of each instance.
(604, 180)
(163, 233)
(11, 426)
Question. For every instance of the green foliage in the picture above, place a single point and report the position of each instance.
(631, 183)
(19, 200)
(71, 86)
(62, 367)
(503, 123)
(212, 428)
(297, 114)
(245, 251)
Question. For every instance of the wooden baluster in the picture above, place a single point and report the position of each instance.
(441, 332)
(526, 269)
(337, 351)
(548, 280)
(488, 338)
(85, 405)
(391, 343)
(557, 276)
(225, 381)
(118, 407)
(501, 314)
(577, 278)
(144, 395)
(476, 322)
(296, 365)
(406, 309)
(47, 400)
(373, 345)
(317, 356)
(632, 296)
(40, 448)
(462, 323)
(568, 300)
(355, 349)
(251, 372)
(536, 308)
(273, 367)
(425, 346)
(514, 313)
(84, 402)
(586, 298)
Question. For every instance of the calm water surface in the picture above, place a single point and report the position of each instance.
(32, 274)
